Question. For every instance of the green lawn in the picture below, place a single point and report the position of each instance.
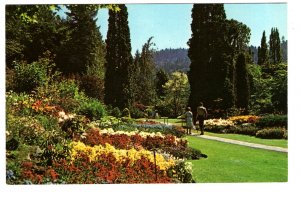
(228, 163)
(170, 121)
(246, 138)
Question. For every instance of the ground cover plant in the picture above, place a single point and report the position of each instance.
(229, 163)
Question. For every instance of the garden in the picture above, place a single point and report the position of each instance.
(77, 112)
(76, 140)
(49, 140)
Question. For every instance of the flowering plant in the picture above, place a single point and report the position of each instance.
(244, 119)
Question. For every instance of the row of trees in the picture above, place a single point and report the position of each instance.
(221, 74)
(270, 54)
(217, 51)
(73, 43)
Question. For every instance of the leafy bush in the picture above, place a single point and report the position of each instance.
(272, 120)
(126, 113)
(29, 76)
(92, 109)
(136, 112)
(116, 112)
(93, 86)
(272, 133)
(245, 129)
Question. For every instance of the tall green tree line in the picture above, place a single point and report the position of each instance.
(118, 60)
(214, 46)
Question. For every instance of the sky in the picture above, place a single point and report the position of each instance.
(169, 24)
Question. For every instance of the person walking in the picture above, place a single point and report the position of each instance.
(201, 116)
(189, 120)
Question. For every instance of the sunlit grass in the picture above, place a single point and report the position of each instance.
(229, 163)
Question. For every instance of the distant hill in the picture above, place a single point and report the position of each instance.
(172, 60)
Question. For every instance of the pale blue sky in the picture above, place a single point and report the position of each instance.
(169, 24)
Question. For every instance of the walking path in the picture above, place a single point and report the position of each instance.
(261, 146)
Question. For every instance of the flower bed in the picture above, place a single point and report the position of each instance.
(244, 119)
(217, 125)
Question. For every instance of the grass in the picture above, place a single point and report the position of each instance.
(228, 163)
(245, 138)
(252, 139)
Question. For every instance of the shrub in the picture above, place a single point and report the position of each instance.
(126, 113)
(92, 109)
(116, 112)
(245, 129)
(272, 133)
(272, 120)
(136, 112)
(93, 86)
(29, 76)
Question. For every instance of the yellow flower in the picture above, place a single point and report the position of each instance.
(133, 155)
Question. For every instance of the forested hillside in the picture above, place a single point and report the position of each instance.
(177, 59)
(172, 60)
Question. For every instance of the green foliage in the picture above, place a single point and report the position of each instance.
(116, 112)
(263, 52)
(272, 133)
(246, 129)
(171, 60)
(92, 109)
(126, 113)
(143, 69)
(161, 79)
(29, 76)
(184, 172)
(272, 120)
(242, 83)
(214, 44)
(84, 49)
(93, 86)
(268, 88)
(177, 90)
(135, 112)
(275, 47)
(118, 60)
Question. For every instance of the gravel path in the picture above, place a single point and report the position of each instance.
(272, 148)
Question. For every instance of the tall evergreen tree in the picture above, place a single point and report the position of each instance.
(85, 48)
(263, 53)
(118, 60)
(242, 83)
(275, 47)
(145, 73)
(208, 54)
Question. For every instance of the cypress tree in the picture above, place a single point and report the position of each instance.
(118, 60)
(263, 54)
(275, 46)
(242, 83)
(208, 55)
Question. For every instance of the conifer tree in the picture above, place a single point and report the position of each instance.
(263, 53)
(84, 50)
(208, 55)
(242, 83)
(275, 47)
(118, 60)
